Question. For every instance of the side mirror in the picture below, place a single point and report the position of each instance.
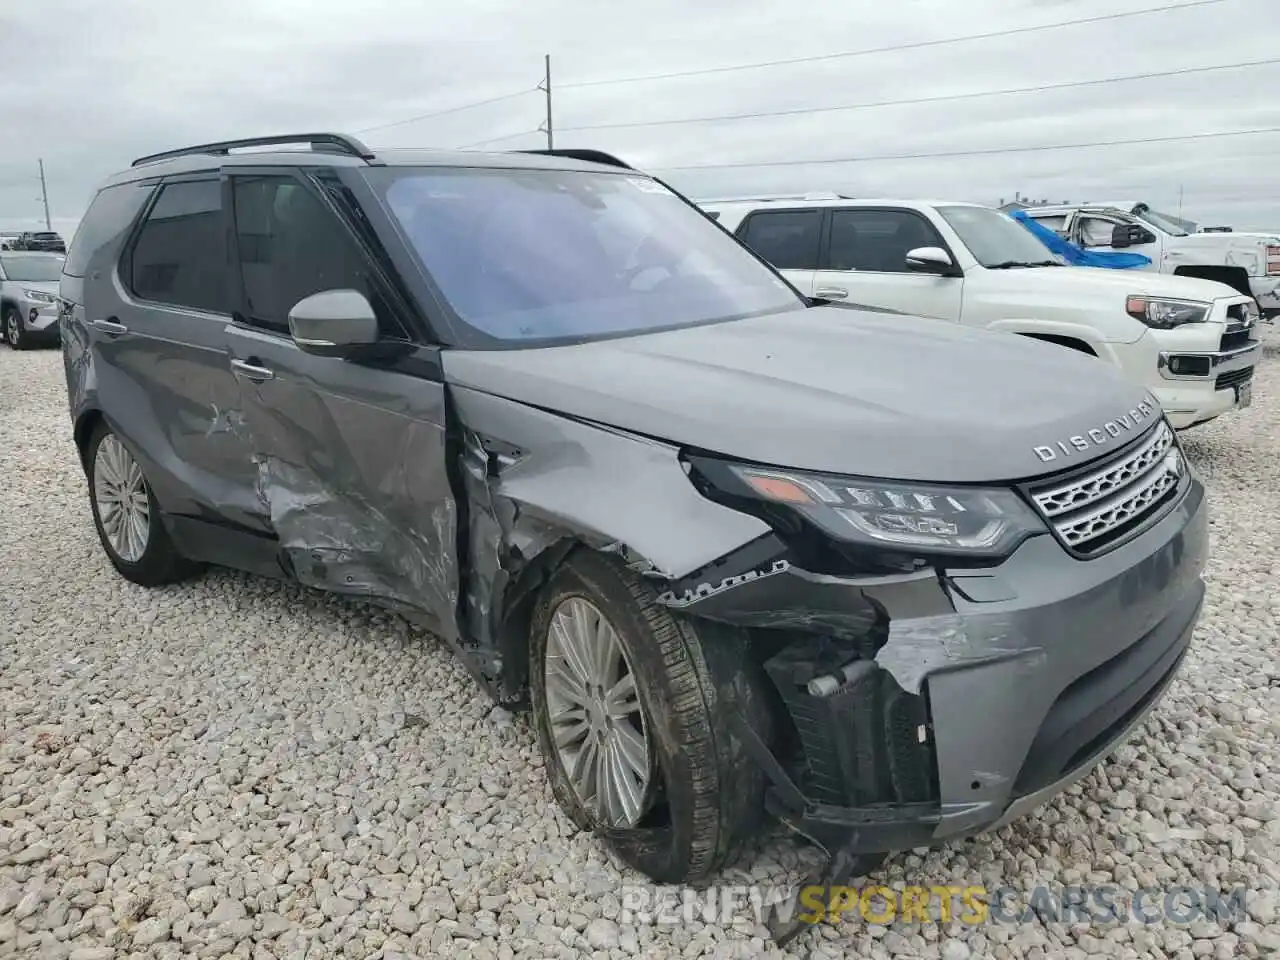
(930, 260)
(333, 322)
(1129, 235)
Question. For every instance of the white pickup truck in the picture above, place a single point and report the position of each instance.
(1191, 342)
(1249, 262)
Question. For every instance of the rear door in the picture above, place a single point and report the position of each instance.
(351, 454)
(159, 354)
(788, 239)
(865, 261)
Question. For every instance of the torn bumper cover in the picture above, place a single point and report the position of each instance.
(972, 696)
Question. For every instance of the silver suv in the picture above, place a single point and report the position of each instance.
(29, 298)
(889, 579)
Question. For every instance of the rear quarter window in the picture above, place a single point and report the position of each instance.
(109, 217)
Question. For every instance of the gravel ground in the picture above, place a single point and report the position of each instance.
(235, 767)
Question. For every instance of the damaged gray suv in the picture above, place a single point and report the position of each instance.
(888, 580)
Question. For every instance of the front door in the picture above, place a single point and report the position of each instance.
(866, 259)
(1094, 233)
(350, 454)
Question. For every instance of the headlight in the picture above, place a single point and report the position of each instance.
(1165, 314)
(905, 516)
(39, 296)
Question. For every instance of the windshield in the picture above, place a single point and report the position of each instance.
(46, 236)
(995, 240)
(31, 269)
(529, 257)
(1159, 221)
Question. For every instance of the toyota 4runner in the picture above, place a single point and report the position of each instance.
(1191, 342)
(891, 580)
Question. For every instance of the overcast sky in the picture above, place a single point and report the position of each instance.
(89, 86)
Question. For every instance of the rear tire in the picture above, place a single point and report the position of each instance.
(127, 517)
(705, 794)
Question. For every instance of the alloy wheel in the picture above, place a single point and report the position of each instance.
(120, 493)
(598, 726)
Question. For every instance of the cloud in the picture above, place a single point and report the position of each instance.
(114, 81)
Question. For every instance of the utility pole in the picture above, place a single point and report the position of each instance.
(546, 125)
(44, 195)
(1180, 201)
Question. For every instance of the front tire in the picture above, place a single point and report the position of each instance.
(632, 710)
(127, 516)
(15, 332)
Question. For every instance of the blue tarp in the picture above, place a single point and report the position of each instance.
(1078, 256)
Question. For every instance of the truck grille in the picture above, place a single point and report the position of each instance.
(1233, 378)
(1099, 506)
(1239, 331)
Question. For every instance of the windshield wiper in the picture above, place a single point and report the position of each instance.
(1011, 264)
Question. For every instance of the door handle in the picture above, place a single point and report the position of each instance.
(831, 293)
(110, 327)
(252, 371)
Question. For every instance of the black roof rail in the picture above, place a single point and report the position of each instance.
(589, 156)
(319, 142)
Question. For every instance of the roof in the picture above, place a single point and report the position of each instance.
(339, 150)
(834, 202)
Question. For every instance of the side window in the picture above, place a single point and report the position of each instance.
(877, 240)
(1095, 232)
(1057, 223)
(291, 246)
(110, 214)
(788, 239)
(180, 256)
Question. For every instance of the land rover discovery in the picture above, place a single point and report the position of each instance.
(890, 580)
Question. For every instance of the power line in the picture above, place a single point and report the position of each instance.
(942, 98)
(969, 153)
(507, 136)
(916, 45)
(458, 109)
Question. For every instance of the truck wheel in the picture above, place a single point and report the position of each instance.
(631, 706)
(127, 516)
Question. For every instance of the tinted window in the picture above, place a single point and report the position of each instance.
(180, 256)
(551, 255)
(292, 246)
(788, 239)
(877, 240)
(109, 216)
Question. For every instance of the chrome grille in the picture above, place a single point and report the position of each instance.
(1092, 510)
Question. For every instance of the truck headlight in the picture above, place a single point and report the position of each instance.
(39, 296)
(906, 516)
(1163, 313)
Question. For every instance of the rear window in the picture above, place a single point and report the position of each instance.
(109, 216)
(531, 257)
(788, 239)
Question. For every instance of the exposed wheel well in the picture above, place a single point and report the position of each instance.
(1235, 277)
(1070, 342)
(84, 430)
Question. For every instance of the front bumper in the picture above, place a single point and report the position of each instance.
(1220, 358)
(40, 320)
(994, 690)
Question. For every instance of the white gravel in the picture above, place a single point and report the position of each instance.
(234, 767)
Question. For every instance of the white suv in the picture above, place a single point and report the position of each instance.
(1191, 342)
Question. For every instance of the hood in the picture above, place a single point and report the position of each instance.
(1147, 283)
(835, 389)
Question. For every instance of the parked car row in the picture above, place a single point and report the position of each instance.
(45, 241)
(743, 544)
(1191, 342)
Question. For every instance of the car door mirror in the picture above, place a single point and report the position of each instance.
(333, 323)
(930, 260)
(1129, 235)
